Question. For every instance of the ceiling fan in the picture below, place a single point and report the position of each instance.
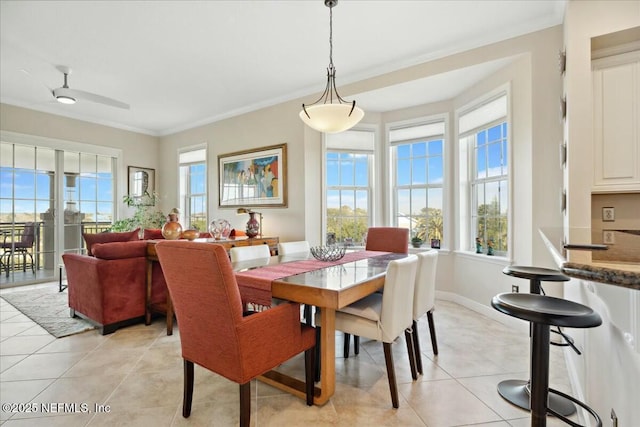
(66, 95)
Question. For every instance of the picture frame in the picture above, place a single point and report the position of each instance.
(256, 177)
(141, 185)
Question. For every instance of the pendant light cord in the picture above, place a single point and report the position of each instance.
(331, 37)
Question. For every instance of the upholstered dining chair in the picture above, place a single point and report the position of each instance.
(424, 300)
(245, 253)
(387, 239)
(213, 331)
(384, 317)
(12, 247)
(288, 248)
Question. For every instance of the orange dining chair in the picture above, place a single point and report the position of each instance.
(424, 300)
(386, 239)
(384, 317)
(213, 331)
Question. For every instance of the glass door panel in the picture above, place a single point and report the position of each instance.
(26, 213)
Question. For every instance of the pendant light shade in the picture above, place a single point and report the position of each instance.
(330, 113)
(331, 118)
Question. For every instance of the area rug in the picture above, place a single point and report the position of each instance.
(49, 309)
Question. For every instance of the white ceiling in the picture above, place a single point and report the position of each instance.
(180, 64)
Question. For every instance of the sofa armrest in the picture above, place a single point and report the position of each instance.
(106, 291)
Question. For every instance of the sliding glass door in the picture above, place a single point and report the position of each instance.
(48, 198)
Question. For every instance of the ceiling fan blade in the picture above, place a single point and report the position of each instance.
(88, 96)
(31, 76)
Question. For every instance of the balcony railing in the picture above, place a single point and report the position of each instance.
(43, 249)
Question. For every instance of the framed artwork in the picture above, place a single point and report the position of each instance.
(142, 185)
(253, 177)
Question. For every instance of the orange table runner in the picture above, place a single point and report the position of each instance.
(255, 285)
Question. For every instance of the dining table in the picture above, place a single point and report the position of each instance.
(326, 285)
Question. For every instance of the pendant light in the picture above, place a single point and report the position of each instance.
(330, 113)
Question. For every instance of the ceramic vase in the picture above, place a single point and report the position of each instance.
(171, 230)
(253, 226)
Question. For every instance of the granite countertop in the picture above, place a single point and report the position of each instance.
(626, 275)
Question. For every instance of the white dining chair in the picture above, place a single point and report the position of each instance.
(291, 248)
(245, 253)
(384, 316)
(424, 300)
(288, 248)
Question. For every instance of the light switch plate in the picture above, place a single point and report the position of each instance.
(608, 237)
(608, 214)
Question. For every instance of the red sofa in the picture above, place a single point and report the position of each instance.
(109, 287)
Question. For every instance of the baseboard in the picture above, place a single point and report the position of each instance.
(509, 321)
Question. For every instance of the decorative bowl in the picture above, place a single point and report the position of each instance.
(190, 234)
(328, 253)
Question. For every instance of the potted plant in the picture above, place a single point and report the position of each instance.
(146, 215)
(416, 242)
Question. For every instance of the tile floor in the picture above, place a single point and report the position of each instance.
(137, 374)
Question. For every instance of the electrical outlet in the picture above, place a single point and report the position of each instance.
(515, 288)
(608, 237)
(608, 214)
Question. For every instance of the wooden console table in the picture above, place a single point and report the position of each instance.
(166, 308)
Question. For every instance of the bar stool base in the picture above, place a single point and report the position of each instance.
(517, 393)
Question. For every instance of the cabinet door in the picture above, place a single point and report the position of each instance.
(616, 90)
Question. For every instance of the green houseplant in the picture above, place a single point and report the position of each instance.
(146, 215)
(416, 242)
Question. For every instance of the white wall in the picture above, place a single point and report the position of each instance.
(269, 126)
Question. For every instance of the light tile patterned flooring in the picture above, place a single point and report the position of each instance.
(137, 373)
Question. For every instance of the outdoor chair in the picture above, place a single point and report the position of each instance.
(22, 246)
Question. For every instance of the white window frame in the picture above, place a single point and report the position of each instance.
(467, 171)
(412, 129)
(349, 148)
(184, 181)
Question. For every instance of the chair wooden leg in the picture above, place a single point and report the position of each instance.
(309, 373)
(391, 374)
(347, 344)
(416, 347)
(169, 315)
(408, 337)
(245, 404)
(188, 388)
(308, 318)
(432, 331)
(356, 344)
(317, 351)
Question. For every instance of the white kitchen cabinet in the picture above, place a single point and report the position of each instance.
(616, 122)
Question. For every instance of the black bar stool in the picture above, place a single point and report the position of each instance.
(544, 312)
(517, 391)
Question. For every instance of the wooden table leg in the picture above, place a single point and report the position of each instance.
(147, 302)
(327, 356)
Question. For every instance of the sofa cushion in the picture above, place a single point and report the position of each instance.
(119, 250)
(153, 234)
(92, 239)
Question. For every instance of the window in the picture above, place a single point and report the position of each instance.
(484, 142)
(417, 154)
(348, 163)
(193, 189)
